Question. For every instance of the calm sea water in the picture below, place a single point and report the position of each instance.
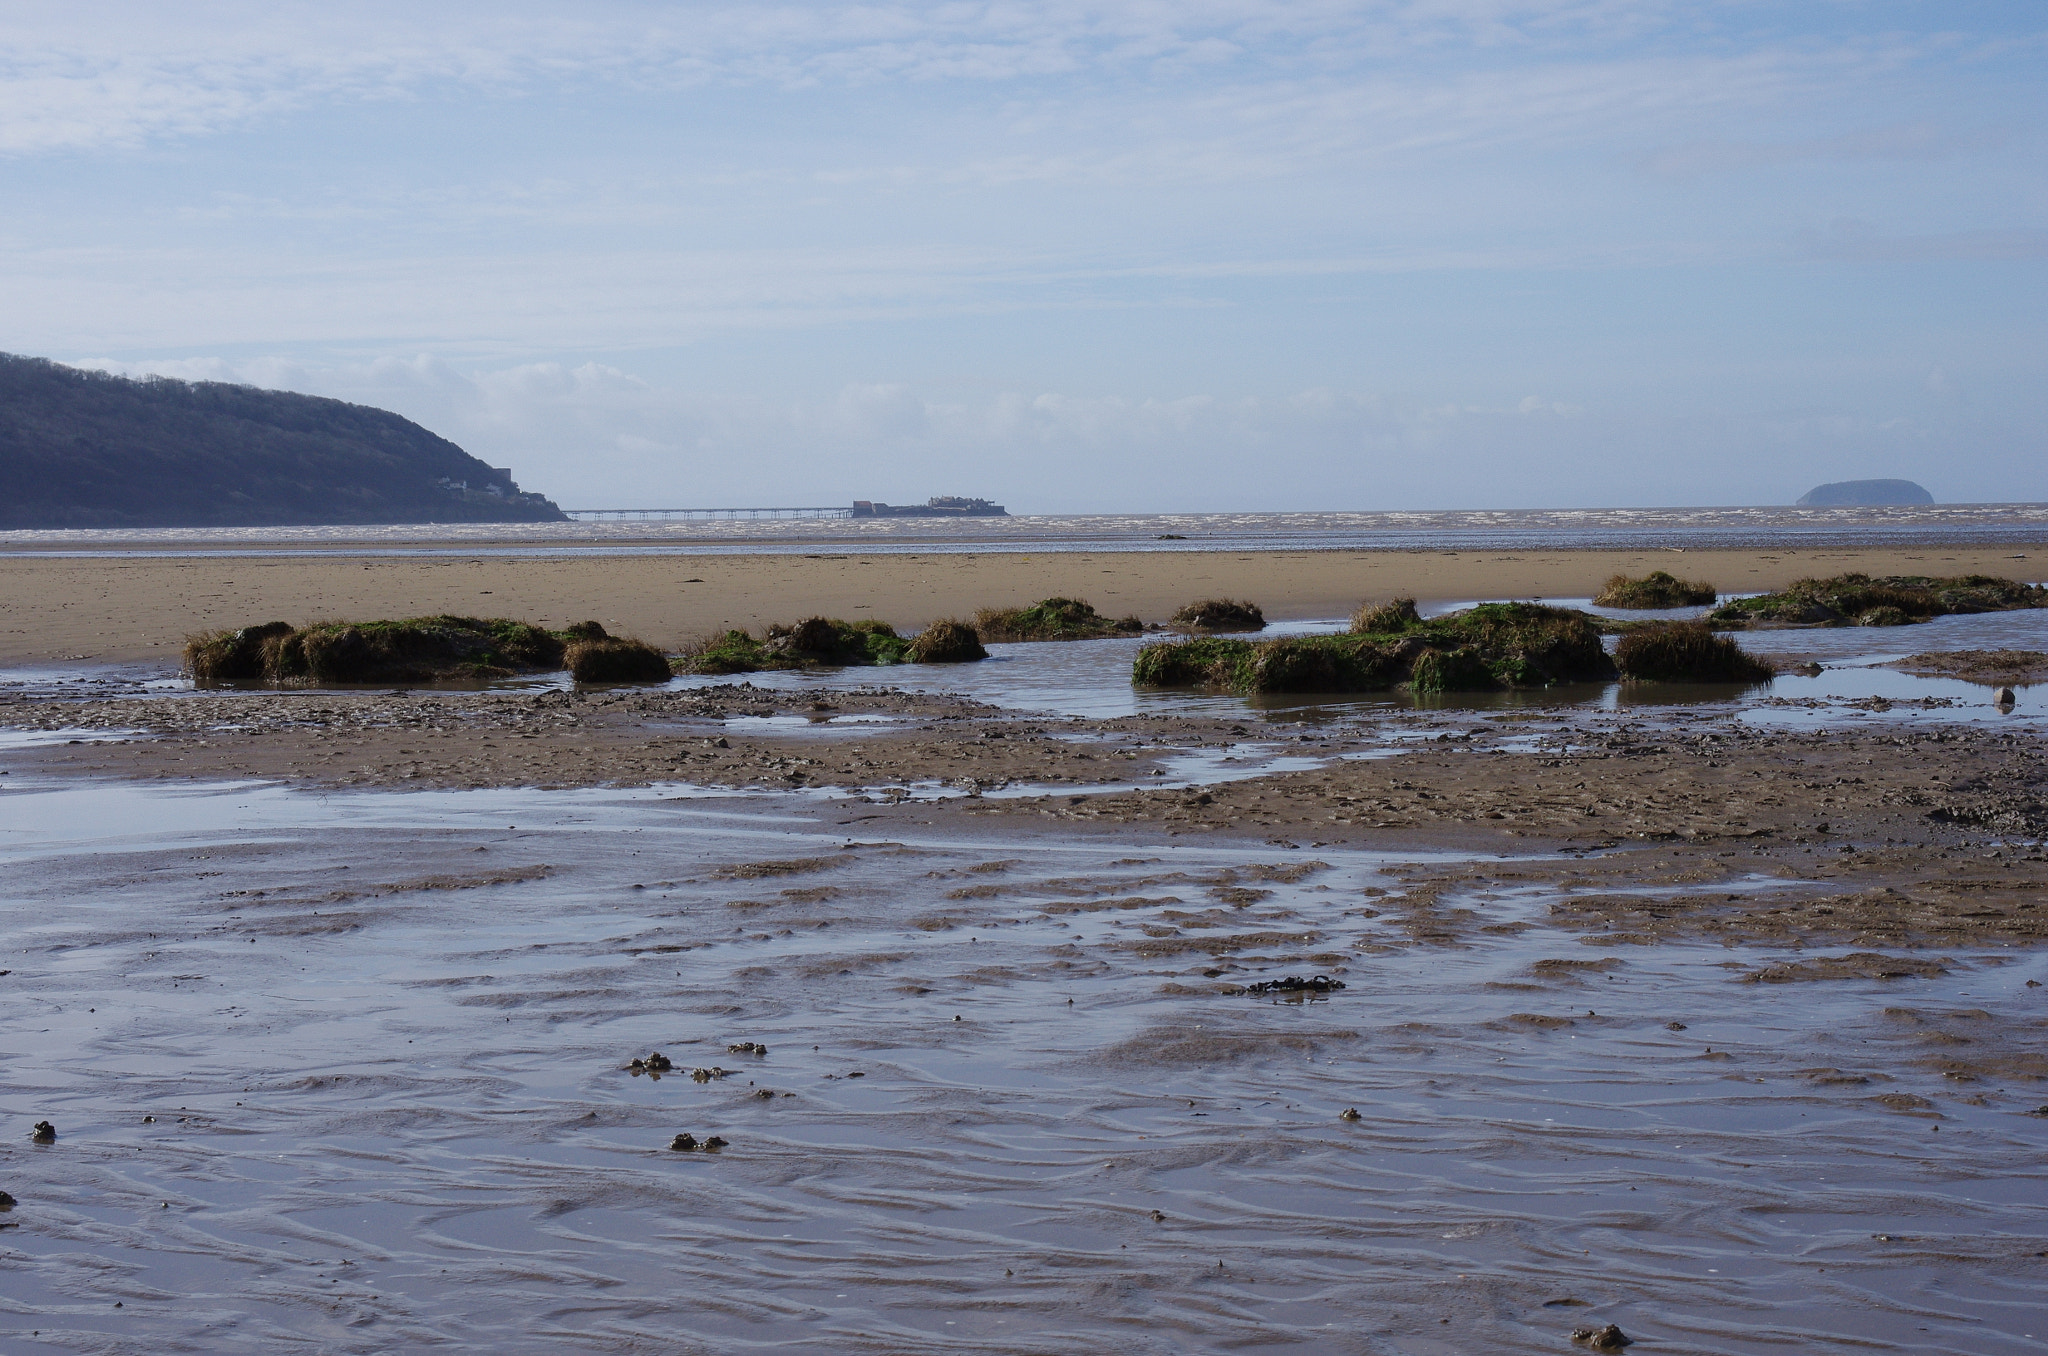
(1697, 528)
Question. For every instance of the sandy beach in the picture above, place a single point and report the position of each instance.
(56, 609)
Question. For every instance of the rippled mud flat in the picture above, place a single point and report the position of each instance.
(1011, 1098)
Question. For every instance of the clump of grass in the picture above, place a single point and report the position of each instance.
(1657, 589)
(946, 642)
(1492, 646)
(1051, 619)
(1220, 614)
(1387, 618)
(1894, 600)
(231, 656)
(815, 642)
(1686, 652)
(612, 659)
(416, 650)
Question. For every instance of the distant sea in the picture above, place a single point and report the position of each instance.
(1449, 530)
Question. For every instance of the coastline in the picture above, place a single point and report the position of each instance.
(138, 608)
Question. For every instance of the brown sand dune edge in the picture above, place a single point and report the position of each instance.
(140, 608)
(1916, 836)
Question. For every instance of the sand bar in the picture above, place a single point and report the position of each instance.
(128, 609)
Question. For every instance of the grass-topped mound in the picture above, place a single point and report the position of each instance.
(1491, 646)
(593, 656)
(1051, 619)
(416, 650)
(1894, 600)
(946, 642)
(826, 642)
(1686, 652)
(1220, 614)
(1657, 589)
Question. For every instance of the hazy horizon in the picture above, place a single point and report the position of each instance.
(1121, 257)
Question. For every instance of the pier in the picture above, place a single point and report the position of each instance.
(667, 515)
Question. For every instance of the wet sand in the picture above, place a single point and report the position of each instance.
(59, 609)
(1875, 835)
(348, 1071)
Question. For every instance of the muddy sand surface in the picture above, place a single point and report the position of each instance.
(2020, 668)
(1730, 1033)
(1910, 834)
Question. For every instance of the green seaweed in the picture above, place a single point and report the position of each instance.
(1220, 614)
(1657, 589)
(816, 642)
(1051, 619)
(1893, 600)
(414, 650)
(1686, 652)
(1488, 647)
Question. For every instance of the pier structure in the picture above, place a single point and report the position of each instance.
(616, 515)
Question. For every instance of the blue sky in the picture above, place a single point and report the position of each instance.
(1078, 257)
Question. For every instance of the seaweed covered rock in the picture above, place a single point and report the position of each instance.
(1686, 652)
(1051, 619)
(1220, 614)
(1492, 646)
(1657, 589)
(815, 642)
(946, 642)
(417, 650)
(1893, 600)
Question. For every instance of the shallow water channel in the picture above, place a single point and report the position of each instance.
(383, 1039)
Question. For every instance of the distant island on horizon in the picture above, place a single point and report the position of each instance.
(84, 449)
(1865, 494)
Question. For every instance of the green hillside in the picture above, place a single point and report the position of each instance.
(84, 449)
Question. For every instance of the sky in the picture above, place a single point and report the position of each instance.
(1114, 257)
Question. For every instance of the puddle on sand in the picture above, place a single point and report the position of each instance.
(390, 1029)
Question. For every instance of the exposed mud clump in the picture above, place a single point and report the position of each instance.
(687, 1143)
(656, 1064)
(1686, 652)
(1609, 1338)
(1895, 600)
(791, 866)
(2018, 668)
(1657, 589)
(1296, 984)
(1855, 965)
(43, 1133)
(1052, 619)
(1220, 614)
